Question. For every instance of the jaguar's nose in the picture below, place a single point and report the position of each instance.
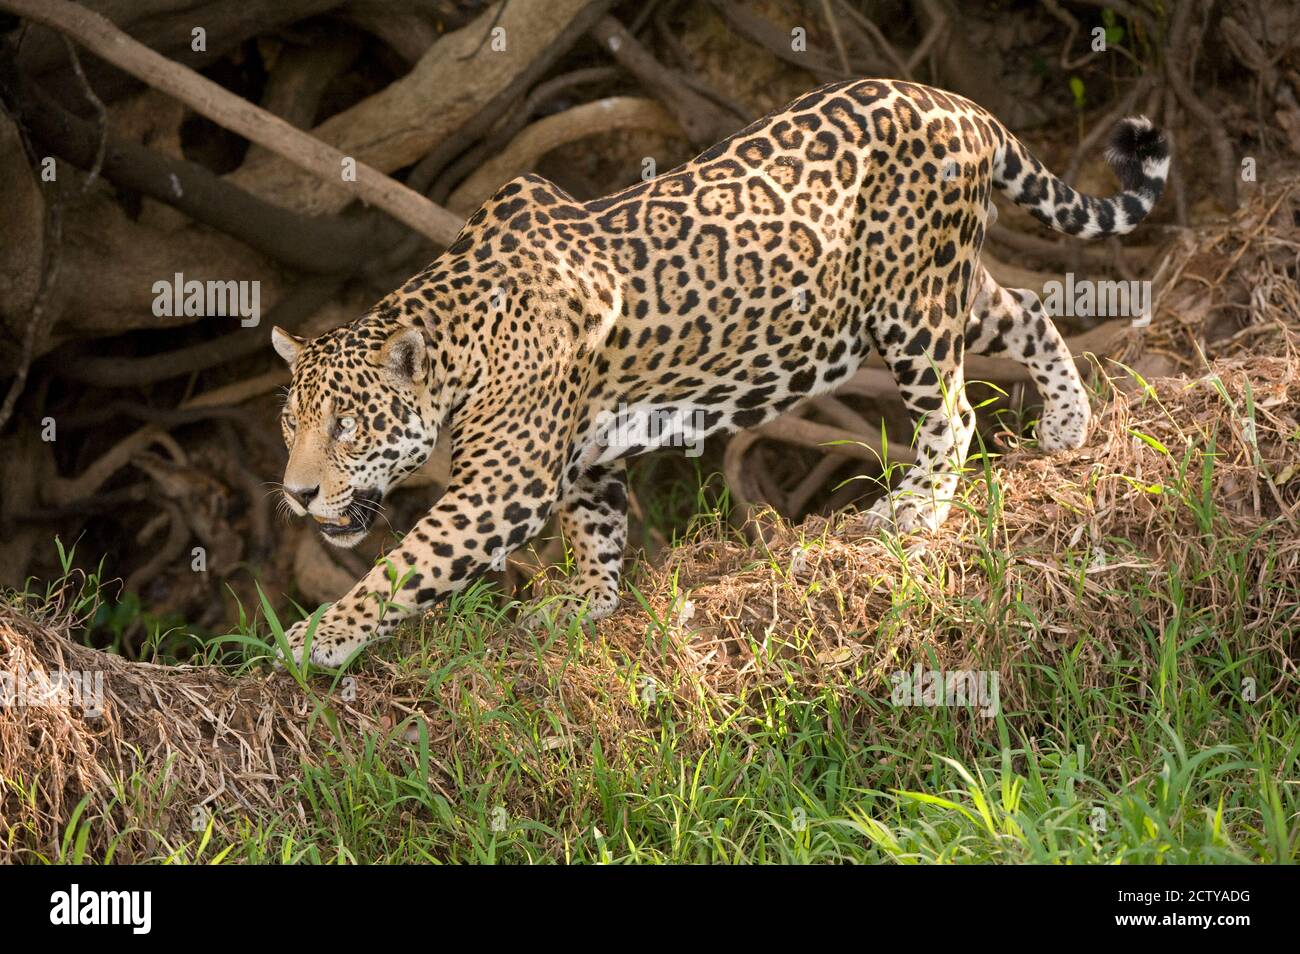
(303, 495)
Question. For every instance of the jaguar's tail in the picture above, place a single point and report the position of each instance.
(1140, 157)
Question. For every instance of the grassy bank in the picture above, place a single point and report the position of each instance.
(1122, 619)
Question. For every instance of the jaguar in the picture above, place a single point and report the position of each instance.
(555, 338)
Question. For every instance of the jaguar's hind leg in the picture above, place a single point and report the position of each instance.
(923, 349)
(1011, 322)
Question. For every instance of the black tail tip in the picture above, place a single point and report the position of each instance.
(1135, 143)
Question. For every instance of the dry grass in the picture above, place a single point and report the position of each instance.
(207, 739)
(831, 582)
(825, 603)
(1232, 288)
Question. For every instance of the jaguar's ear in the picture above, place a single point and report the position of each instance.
(403, 354)
(286, 345)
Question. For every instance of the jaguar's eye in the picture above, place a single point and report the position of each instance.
(290, 421)
(346, 426)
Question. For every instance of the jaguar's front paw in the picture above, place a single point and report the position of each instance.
(600, 603)
(906, 512)
(331, 644)
(592, 606)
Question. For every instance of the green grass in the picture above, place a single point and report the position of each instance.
(1173, 743)
(1190, 773)
(807, 778)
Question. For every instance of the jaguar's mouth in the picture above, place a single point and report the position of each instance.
(356, 518)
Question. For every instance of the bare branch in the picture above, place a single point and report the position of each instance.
(253, 123)
(616, 112)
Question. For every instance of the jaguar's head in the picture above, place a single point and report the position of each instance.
(359, 418)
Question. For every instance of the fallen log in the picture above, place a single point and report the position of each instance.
(317, 245)
(453, 81)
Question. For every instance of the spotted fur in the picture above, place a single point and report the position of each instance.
(555, 338)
